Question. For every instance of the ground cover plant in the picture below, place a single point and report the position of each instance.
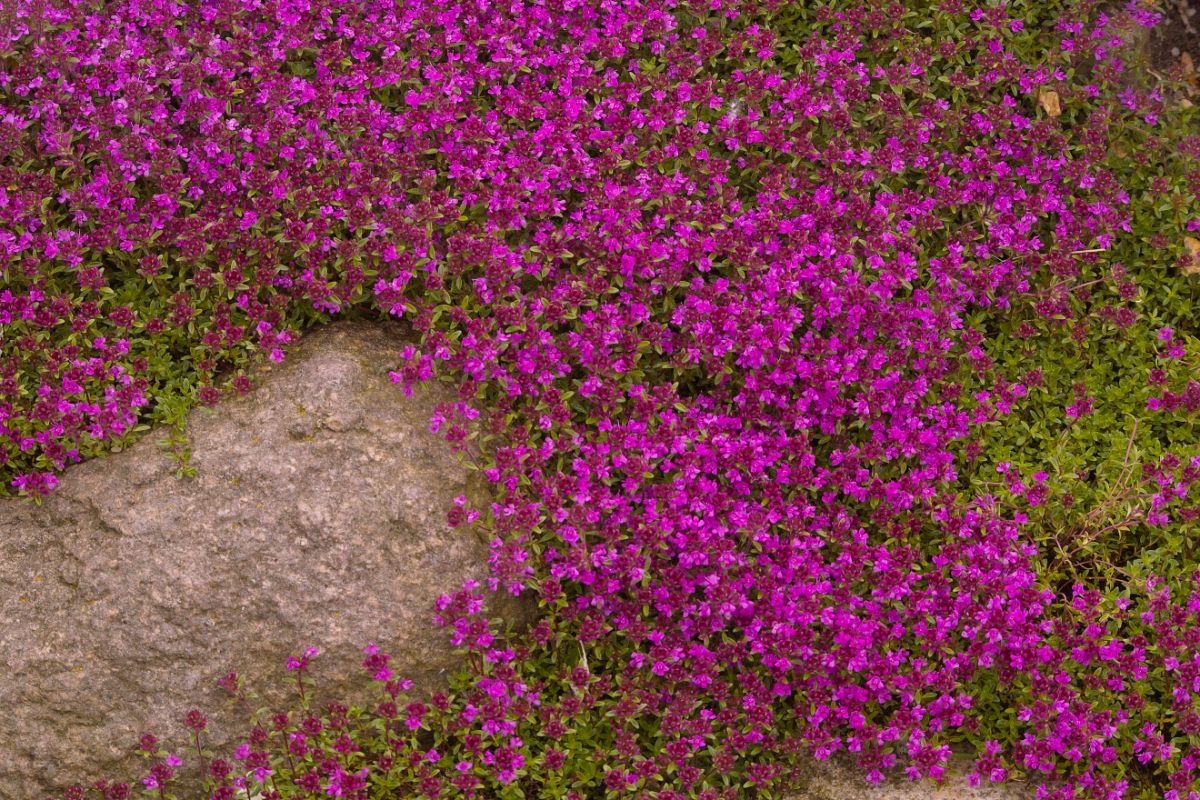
(832, 364)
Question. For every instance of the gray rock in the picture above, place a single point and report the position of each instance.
(840, 779)
(317, 517)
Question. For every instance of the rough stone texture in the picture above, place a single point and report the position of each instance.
(839, 779)
(317, 517)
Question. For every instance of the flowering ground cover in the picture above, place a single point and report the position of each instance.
(832, 363)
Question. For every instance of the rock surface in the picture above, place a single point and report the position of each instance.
(841, 780)
(317, 517)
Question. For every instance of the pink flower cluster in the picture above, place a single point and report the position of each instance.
(708, 300)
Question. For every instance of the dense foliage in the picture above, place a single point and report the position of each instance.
(831, 362)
